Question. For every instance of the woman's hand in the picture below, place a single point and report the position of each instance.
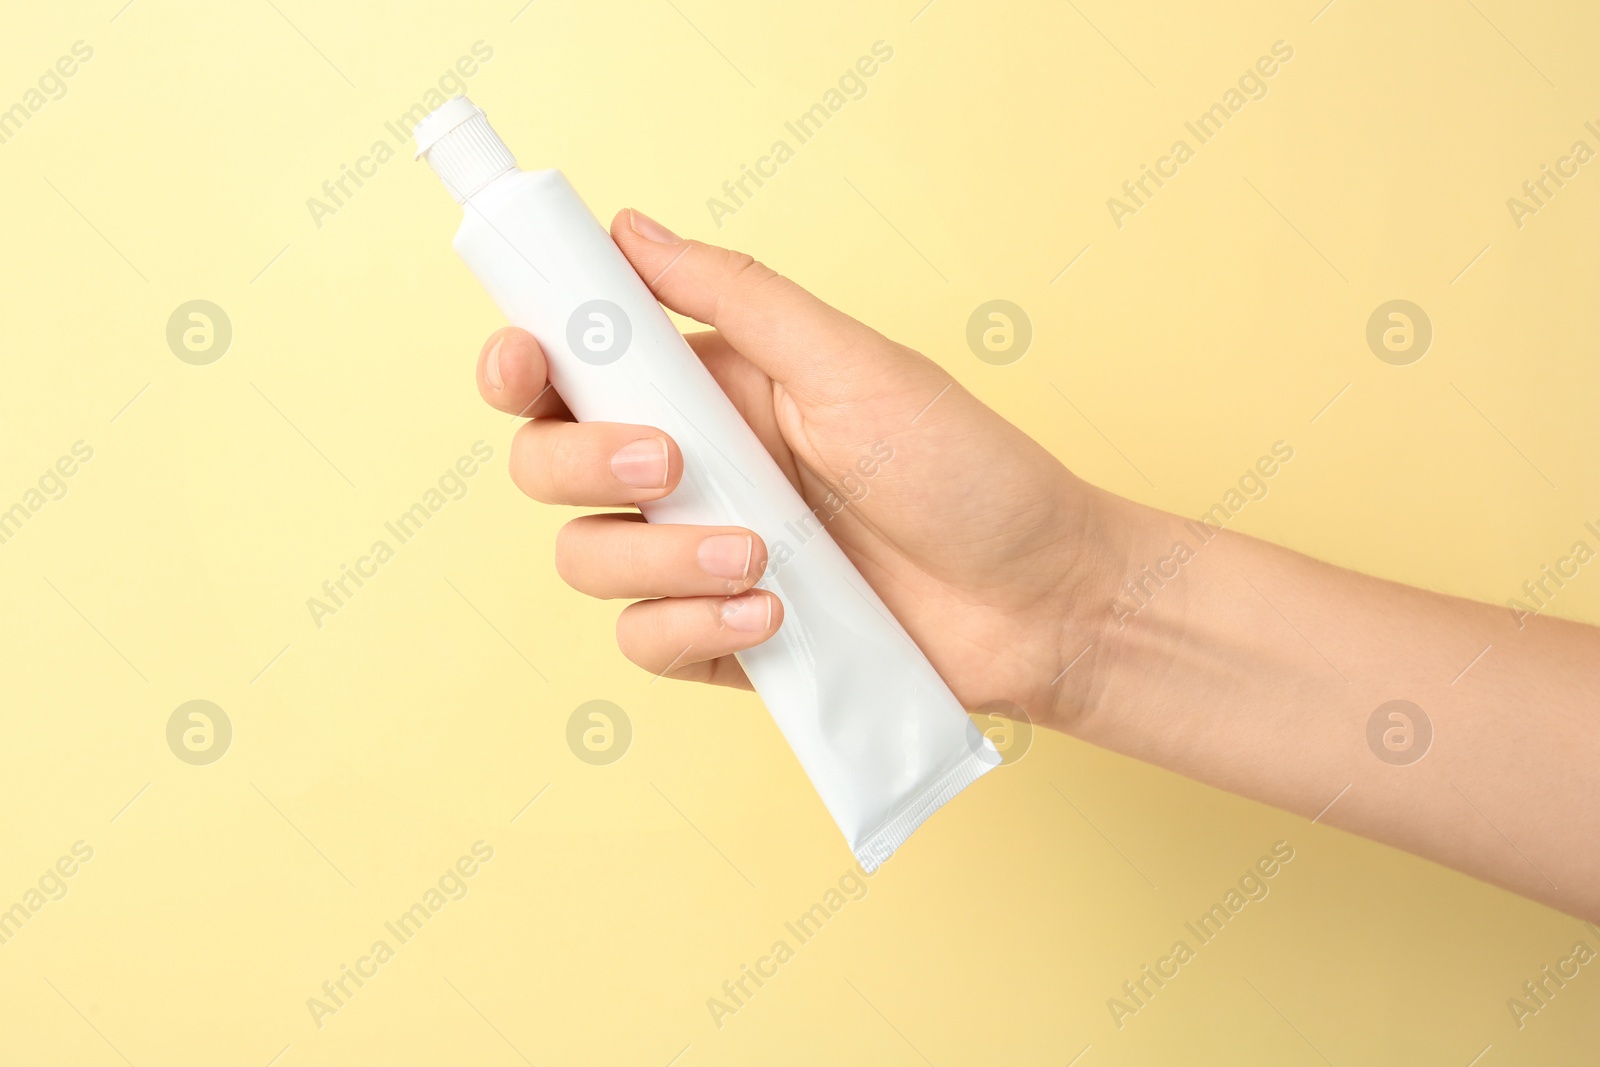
(1256, 669)
(982, 544)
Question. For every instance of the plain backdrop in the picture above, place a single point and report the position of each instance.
(370, 753)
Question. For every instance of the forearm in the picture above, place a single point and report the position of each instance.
(1259, 670)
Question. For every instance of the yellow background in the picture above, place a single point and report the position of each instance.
(370, 753)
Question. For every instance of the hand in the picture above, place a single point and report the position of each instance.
(1256, 669)
(979, 541)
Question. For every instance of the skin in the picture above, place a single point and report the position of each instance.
(1256, 669)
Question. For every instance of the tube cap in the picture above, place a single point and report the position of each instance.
(462, 148)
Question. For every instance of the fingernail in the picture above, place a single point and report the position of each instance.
(650, 229)
(491, 366)
(748, 614)
(642, 463)
(727, 555)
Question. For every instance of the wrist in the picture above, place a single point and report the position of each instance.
(1125, 609)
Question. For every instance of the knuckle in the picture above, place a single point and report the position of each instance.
(522, 438)
(564, 463)
(633, 635)
(560, 465)
(630, 556)
(741, 277)
(569, 550)
(524, 462)
(735, 263)
(748, 272)
(712, 607)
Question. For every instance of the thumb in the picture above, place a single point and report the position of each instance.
(819, 353)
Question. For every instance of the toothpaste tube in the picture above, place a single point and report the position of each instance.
(876, 729)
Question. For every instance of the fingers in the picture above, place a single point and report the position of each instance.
(512, 378)
(610, 556)
(688, 638)
(814, 349)
(593, 464)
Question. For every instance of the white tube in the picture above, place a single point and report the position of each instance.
(879, 733)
